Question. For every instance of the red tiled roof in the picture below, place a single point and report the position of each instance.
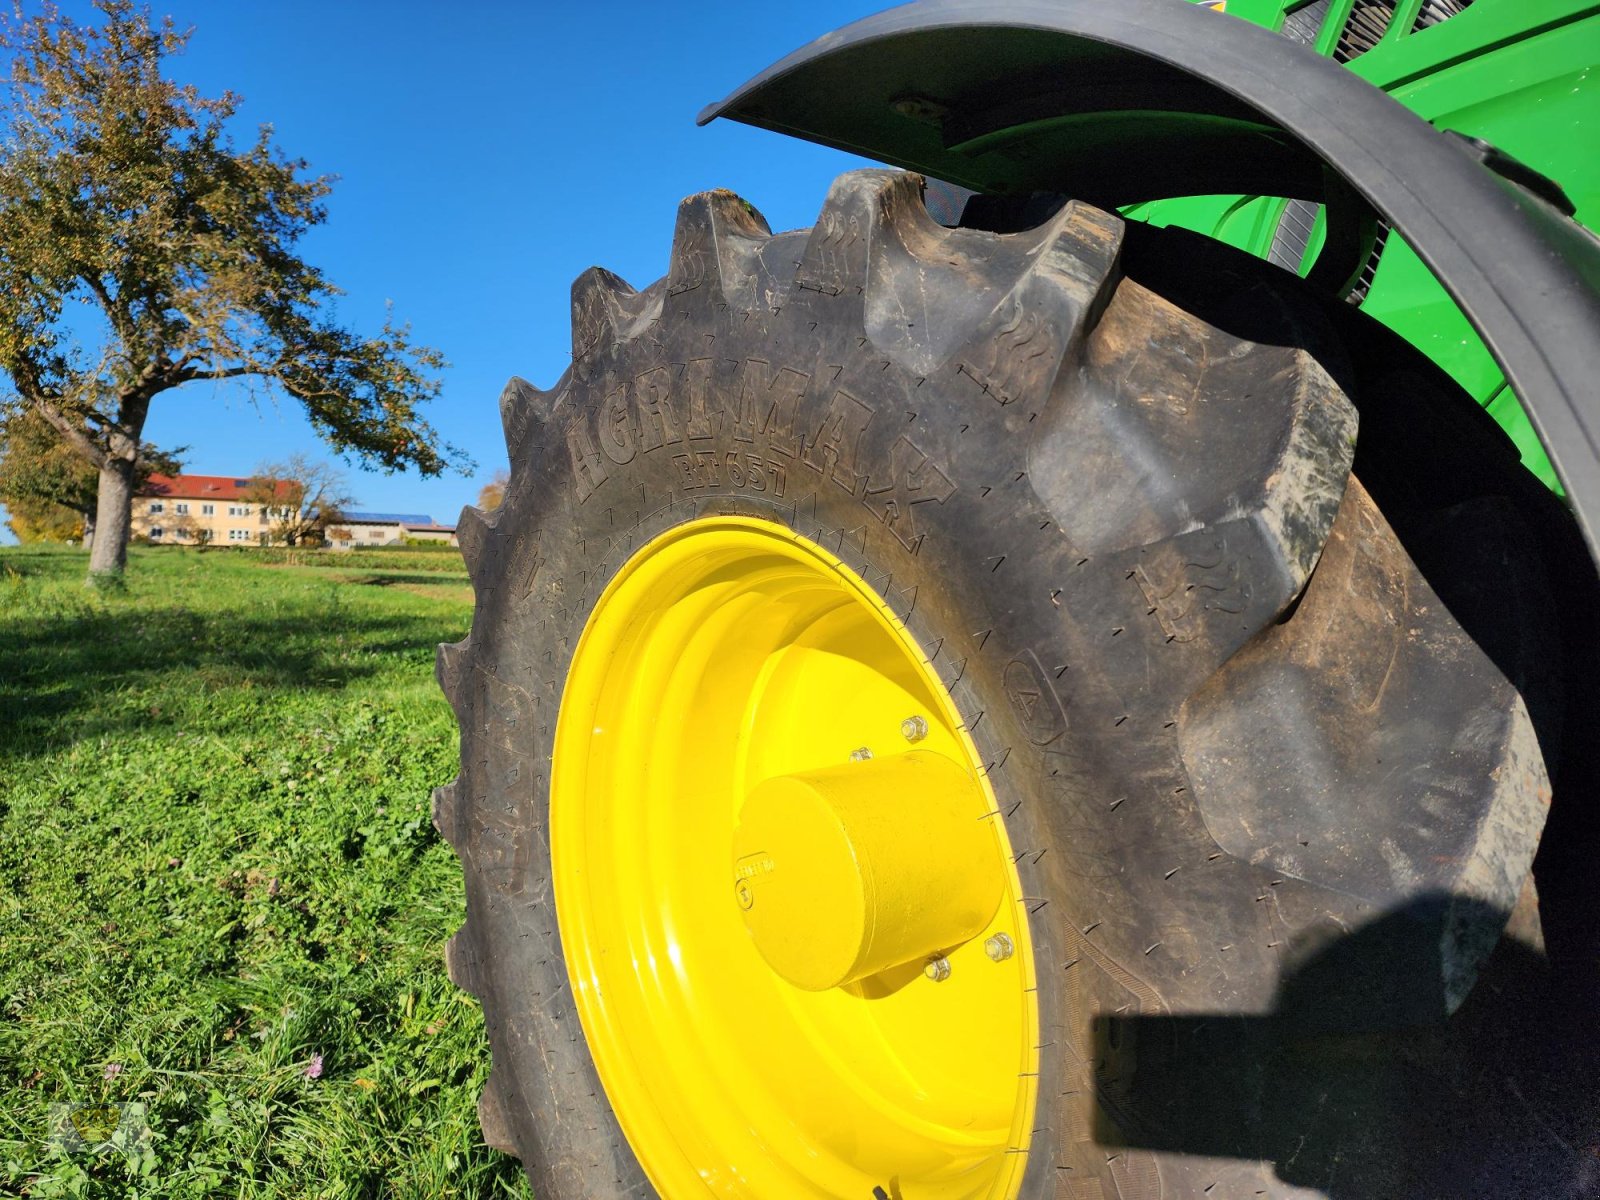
(200, 487)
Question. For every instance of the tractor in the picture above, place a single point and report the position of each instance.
(1071, 677)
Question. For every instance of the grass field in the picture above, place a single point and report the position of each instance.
(220, 893)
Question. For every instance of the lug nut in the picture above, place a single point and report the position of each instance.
(914, 729)
(999, 947)
(938, 969)
(860, 755)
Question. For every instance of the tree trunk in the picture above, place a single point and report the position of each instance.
(88, 529)
(113, 520)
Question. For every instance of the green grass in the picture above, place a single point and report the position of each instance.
(216, 863)
(401, 558)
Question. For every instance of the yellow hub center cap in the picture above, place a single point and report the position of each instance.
(846, 871)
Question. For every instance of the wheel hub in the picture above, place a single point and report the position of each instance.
(776, 864)
(846, 871)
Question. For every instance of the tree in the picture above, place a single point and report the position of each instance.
(300, 497)
(493, 492)
(47, 487)
(40, 521)
(121, 193)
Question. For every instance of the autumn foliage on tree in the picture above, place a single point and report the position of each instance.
(493, 493)
(121, 193)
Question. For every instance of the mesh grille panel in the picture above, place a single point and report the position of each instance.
(1434, 11)
(1293, 235)
(1363, 283)
(1368, 21)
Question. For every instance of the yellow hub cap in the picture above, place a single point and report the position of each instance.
(845, 872)
(790, 916)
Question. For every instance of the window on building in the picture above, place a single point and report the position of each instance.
(156, 506)
(238, 535)
(207, 510)
(155, 532)
(182, 509)
(238, 510)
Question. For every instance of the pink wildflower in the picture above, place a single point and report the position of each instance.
(314, 1067)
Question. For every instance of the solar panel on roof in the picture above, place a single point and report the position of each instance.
(375, 518)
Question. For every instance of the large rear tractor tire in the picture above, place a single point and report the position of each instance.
(942, 719)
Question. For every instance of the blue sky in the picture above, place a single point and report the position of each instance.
(487, 154)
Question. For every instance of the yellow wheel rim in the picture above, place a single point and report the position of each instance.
(771, 835)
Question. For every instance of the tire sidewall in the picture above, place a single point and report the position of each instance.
(574, 516)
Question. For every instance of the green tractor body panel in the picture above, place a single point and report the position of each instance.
(1523, 75)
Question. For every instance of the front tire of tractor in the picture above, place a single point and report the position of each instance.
(1254, 783)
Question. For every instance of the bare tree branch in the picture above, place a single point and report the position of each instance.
(69, 432)
(189, 374)
(114, 311)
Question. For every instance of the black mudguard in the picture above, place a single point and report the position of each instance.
(1146, 99)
